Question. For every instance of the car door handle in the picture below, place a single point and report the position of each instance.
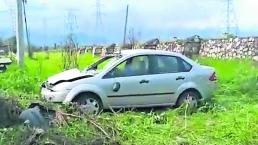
(144, 81)
(180, 78)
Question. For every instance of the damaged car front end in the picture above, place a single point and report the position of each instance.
(50, 94)
(57, 87)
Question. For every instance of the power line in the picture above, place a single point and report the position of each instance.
(26, 28)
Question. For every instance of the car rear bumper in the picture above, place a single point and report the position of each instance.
(209, 90)
(53, 96)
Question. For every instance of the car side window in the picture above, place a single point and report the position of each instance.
(161, 64)
(185, 66)
(167, 64)
(133, 66)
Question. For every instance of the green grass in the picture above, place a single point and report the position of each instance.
(26, 83)
(230, 118)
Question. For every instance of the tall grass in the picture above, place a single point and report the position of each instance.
(37, 70)
(230, 118)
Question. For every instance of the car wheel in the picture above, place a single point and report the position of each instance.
(189, 98)
(89, 103)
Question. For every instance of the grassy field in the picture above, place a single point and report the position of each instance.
(230, 118)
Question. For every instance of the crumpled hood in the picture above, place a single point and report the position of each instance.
(67, 76)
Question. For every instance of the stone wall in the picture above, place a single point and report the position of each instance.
(230, 48)
(245, 47)
(175, 46)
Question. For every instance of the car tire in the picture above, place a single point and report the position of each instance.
(89, 103)
(191, 98)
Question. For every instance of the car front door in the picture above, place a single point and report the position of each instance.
(129, 83)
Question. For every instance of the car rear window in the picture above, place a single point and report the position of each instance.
(161, 64)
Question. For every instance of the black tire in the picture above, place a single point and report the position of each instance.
(82, 100)
(191, 97)
(3, 68)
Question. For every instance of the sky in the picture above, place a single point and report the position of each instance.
(49, 21)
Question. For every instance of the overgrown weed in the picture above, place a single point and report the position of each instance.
(229, 118)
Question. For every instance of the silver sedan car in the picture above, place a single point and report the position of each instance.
(133, 78)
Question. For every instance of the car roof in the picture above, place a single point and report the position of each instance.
(134, 52)
(147, 51)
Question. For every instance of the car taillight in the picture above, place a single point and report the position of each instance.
(213, 77)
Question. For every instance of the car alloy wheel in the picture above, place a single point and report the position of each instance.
(191, 101)
(89, 104)
(189, 98)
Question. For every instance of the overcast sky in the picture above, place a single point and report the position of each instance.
(48, 20)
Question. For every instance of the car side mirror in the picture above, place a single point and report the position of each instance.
(116, 86)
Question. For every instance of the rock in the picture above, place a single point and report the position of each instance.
(249, 53)
(251, 39)
(238, 44)
(255, 58)
(256, 52)
(34, 118)
(217, 48)
(229, 46)
(9, 113)
(236, 40)
(244, 40)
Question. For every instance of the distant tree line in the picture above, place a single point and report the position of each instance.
(9, 44)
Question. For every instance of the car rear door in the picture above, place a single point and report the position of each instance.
(166, 74)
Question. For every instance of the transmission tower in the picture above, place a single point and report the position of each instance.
(99, 24)
(71, 26)
(13, 17)
(231, 18)
(98, 13)
(45, 33)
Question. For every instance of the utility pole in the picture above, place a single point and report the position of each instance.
(125, 27)
(228, 17)
(19, 33)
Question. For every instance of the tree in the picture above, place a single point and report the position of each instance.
(12, 44)
(229, 35)
(1, 41)
(69, 54)
(132, 38)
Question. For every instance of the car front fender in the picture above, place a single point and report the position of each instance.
(85, 88)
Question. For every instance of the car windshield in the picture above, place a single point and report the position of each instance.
(102, 63)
